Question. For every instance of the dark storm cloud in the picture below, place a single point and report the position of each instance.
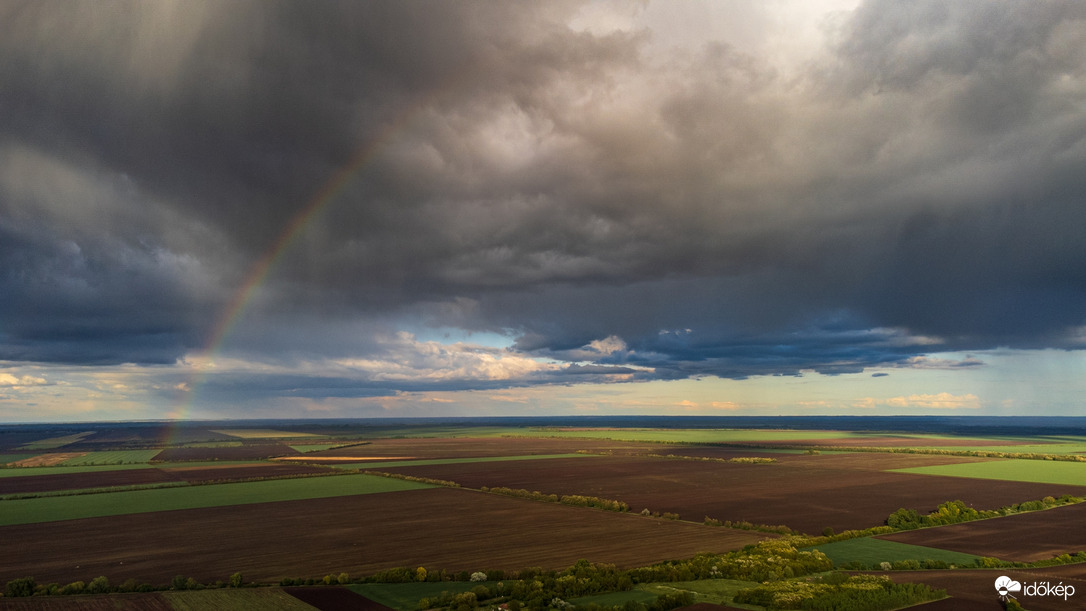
(918, 189)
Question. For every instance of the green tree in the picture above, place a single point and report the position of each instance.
(98, 585)
(903, 519)
(236, 580)
(24, 586)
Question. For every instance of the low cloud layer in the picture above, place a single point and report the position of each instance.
(616, 201)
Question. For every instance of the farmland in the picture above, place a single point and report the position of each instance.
(805, 493)
(282, 501)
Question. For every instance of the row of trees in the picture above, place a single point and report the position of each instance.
(953, 512)
(568, 499)
(413, 478)
(28, 586)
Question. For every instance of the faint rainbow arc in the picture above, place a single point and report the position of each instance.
(263, 267)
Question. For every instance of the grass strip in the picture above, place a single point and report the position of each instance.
(51, 509)
(1036, 471)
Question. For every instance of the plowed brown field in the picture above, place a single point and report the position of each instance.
(1025, 537)
(130, 477)
(975, 590)
(149, 601)
(465, 447)
(891, 441)
(243, 452)
(439, 528)
(807, 493)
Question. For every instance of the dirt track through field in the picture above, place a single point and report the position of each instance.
(437, 528)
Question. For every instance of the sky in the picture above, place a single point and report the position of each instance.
(361, 209)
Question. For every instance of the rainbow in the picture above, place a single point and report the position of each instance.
(263, 267)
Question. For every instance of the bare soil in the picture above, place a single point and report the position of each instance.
(453, 529)
(1025, 537)
(335, 599)
(243, 452)
(467, 447)
(974, 590)
(806, 493)
(144, 601)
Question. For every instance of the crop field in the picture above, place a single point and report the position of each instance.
(55, 442)
(871, 551)
(82, 480)
(973, 590)
(805, 493)
(265, 434)
(384, 462)
(1024, 537)
(256, 451)
(471, 447)
(112, 457)
(54, 508)
(1042, 471)
(807, 438)
(274, 501)
(270, 599)
(257, 599)
(437, 527)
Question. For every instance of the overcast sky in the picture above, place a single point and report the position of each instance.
(246, 209)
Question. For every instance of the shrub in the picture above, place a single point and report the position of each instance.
(24, 586)
(98, 585)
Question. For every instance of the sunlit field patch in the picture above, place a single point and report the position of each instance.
(55, 442)
(264, 434)
(1037, 471)
(114, 457)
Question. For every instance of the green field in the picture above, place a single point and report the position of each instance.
(54, 442)
(10, 458)
(51, 509)
(871, 552)
(243, 599)
(452, 461)
(1038, 471)
(115, 457)
(748, 436)
(27, 471)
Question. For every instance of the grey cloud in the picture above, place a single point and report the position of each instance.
(552, 185)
